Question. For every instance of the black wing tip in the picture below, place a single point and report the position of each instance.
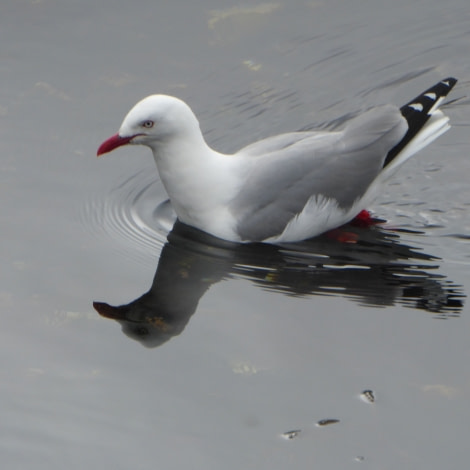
(419, 110)
(450, 82)
(425, 102)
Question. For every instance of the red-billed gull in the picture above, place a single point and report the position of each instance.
(285, 188)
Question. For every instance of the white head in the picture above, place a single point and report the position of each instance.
(154, 120)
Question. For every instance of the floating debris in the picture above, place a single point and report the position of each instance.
(244, 368)
(291, 434)
(326, 422)
(441, 389)
(252, 65)
(368, 396)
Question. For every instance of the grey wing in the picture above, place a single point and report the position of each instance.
(276, 143)
(338, 165)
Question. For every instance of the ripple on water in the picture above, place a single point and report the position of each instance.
(135, 211)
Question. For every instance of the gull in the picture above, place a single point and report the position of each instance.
(285, 188)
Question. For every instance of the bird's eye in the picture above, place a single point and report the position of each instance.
(147, 124)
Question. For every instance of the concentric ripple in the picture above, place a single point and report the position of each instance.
(136, 211)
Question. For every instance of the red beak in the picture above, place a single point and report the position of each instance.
(113, 142)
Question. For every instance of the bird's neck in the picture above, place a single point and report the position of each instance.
(195, 177)
(182, 154)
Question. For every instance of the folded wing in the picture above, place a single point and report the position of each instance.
(292, 169)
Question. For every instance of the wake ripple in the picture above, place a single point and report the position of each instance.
(135, 212)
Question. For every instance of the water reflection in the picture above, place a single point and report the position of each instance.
(376, 270)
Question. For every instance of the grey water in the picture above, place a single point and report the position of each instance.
(128, 342)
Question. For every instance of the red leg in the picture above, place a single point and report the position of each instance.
(364, 219)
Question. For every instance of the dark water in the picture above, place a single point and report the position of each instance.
(200, 353)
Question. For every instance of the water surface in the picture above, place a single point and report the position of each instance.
(202, 354)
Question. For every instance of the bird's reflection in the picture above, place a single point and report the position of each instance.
(375, 270)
